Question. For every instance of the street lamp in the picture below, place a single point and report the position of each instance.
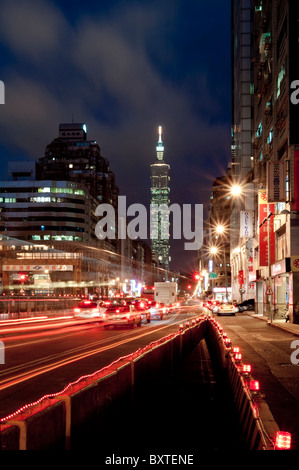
(220, 229)
(236, 190)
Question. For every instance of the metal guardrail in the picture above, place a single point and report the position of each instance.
(22, 307)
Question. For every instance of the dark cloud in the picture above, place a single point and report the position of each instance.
(123, 67)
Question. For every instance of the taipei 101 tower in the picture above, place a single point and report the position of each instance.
(160, 197)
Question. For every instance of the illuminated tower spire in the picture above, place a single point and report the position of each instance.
(160, 148)
(159, 199)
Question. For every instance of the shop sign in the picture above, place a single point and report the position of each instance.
(222, 290)
(250, 261)
(246, 224)
(37, 268)
(241, 277)
(276, 181)
(280, 267)
(263, 230)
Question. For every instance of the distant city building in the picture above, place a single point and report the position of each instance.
(159, 197)
(46, 230)
(71, 157)
(48, 221)
(46, 211)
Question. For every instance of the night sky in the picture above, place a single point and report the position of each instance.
(123, 68)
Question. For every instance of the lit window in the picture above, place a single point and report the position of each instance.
(280, 78)
(270, 136)
(10, 200)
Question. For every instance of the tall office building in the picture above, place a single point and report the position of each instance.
(242, 89)
(159, 206)
(265, 262)
(276, 156)
(71, 157)
(241, 143)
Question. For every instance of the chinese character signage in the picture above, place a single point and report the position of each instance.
(246, 220)
(295, 263)
(263, 230)
(37, 268)
(277, 181)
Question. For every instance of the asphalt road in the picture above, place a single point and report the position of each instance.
(268, 350)
(43, 358)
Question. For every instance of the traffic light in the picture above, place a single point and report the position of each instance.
(23, 277)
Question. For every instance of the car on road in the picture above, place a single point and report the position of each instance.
(121, 315)
(142, 306)
(157, 310)
(89, 309)
(227, 308)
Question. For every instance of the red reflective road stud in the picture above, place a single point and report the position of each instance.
(254, 386)
(238, 357)
(283, 440)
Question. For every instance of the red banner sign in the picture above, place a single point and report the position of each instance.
(263, 230)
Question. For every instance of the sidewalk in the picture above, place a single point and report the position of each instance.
(282, 324)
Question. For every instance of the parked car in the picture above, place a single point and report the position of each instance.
(226, 308)
(119, 314)
(246, 305)
(89, 309)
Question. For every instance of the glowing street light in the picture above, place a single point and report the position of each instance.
(213, 250)
(236, 190)
(220, 229)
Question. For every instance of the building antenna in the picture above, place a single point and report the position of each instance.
(160, 134)
(160, 148)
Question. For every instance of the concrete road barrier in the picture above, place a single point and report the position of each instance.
(54, 421)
